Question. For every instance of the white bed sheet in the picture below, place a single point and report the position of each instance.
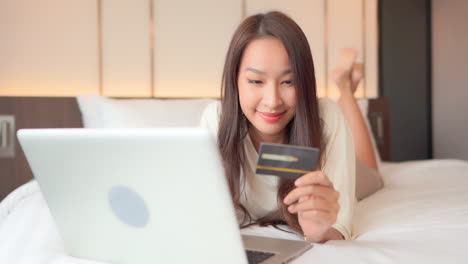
(421, 216)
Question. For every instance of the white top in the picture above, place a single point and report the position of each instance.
(259, 194)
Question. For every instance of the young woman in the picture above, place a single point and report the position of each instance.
(269, 95)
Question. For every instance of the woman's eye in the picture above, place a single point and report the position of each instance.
(288, 82)
(255, 81)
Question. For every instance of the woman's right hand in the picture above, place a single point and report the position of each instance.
(315, 200)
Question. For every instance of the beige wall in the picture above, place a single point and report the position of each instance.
(450, 78)
(162, 48)
(48, 48)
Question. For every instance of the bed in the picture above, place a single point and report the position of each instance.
(420, 216)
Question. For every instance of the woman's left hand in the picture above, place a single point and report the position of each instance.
(316, 202)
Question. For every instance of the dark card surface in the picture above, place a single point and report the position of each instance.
(286, 160)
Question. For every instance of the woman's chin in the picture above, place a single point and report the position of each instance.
(269, 129)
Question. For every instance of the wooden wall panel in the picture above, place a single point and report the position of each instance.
(345, 29)
(48, 47)
(191, 42)
(126, 48)
(371, 49)
(162, 48)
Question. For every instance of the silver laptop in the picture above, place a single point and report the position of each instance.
(143, 196)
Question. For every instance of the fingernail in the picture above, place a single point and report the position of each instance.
(286, 201)
(298, 182)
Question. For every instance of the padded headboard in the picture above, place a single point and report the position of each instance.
(60, 112)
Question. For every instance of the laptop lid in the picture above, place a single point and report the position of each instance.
(177, 210)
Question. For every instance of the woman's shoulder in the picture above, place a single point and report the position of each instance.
(329, 109)
(331, 115)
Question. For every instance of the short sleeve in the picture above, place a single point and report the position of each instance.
(340, 163)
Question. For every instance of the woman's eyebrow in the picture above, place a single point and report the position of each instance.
(256, 71)
(264, 73)
(286, 72)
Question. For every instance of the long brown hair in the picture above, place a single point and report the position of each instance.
(305, 128)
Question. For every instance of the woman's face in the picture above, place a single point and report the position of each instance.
(267, 93)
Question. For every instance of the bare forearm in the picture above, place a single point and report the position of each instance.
(362, 142)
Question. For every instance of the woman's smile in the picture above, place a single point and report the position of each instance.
(271, 117)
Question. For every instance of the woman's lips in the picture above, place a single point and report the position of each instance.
(271, 117)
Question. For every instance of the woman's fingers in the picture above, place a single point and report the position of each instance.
(323, 192)
(312, 184)
(314, 200)
(315, 205)
(319, 217)
(315, 177)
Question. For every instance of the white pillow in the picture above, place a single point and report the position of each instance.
(90, 112)
(102, 112)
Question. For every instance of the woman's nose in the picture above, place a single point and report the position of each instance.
(272, 97)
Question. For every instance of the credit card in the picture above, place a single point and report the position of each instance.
(286, 160)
